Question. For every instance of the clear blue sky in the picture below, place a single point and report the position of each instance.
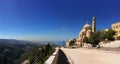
(54, 19)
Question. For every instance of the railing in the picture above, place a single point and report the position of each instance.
(53, 58)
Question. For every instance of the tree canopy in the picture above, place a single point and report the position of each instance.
(98, 36)
(108, 34)
(72, 42)
(95, 38)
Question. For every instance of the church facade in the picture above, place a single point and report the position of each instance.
(86, 31)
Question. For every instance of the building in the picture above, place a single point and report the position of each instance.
(116, 27)
(86, 31)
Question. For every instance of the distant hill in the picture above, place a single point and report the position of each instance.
(11, 50)
(13, 41)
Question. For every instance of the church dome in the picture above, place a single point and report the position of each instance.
(87, 25)
(81, 32)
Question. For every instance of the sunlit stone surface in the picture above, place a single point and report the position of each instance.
(91, 56)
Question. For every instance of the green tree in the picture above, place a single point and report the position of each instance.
(95, 38)
(86, 40)
(103, 37)
(109, 34)
(72, 42)
(118, 38)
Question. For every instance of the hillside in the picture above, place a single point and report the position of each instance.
(12, 50)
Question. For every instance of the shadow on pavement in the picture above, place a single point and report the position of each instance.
(62, 59)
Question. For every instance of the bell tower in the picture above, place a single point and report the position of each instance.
(94, 24)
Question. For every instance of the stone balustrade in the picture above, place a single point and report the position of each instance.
(53, 58)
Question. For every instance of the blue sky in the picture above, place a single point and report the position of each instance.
(54, 19)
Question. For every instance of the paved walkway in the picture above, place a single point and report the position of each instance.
(91, 56)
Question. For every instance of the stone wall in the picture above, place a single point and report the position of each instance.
(112, 44)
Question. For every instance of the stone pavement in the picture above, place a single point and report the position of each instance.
(91, 56)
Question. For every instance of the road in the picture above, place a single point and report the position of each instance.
(91, 56)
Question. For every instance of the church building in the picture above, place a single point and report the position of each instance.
(86, 31)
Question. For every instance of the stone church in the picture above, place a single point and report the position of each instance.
(86, 31)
